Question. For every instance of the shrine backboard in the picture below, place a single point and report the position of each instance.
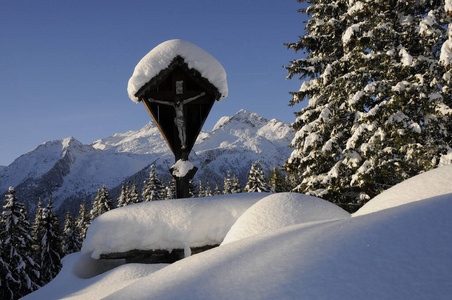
(179, 100)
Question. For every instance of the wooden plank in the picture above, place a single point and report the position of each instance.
(155, 256)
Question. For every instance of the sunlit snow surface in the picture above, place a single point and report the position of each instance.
(282, 210)
(400, 252)
(426, 185)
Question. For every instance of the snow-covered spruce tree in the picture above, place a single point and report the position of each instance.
(71, 239)
(236, 187)
(101, 203)
(7, 281)
(82, 222)
(227, 184)
(37, 230)
(128, 195)
(446, 61)
(124, 195)
(47, 243)
(6, 288)
(379, 102)
(208, 190)
(191, 189)
(171, 189)
(256, 180)
(134, 196)
(201, 191)
(21, 274)
(153, 188)
(217, 190)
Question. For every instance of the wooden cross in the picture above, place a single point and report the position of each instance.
(179, 107)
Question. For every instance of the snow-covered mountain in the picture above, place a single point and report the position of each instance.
(71, 172)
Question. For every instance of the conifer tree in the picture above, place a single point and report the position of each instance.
(277, 181)
(208, 190)
(37, 221)
(153, 188)
(134, 196)
(7, 282)
(82, 222)
(227, 184)
(191, 188)
(236, 188)
(256, 180)
(101, 203)
(170, 190)
(128, 195)
(217, 190)
(379, 99)
(124, 196)
(48, 244)
(20, 275)
(71, 239)
(201, 192)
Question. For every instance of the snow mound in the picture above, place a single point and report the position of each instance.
(105, 277)
(160, 58)
(170, 224)
(282, 210)
(401, 253)
(426, 185)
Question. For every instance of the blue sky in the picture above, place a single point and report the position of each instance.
(64, 65)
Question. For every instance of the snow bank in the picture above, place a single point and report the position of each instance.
(402, 253)
(166, 224)
(161, 56)
(399, 253)
(426, 185)
(282, 210)
(85, 278)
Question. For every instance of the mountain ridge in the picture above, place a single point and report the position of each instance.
(70, 171)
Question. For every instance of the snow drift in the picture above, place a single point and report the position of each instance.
(426, 185)
(402, 253)
(282, 210)
(399, 252)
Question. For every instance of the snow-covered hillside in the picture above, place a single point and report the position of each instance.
(72, 172)
(401, 252)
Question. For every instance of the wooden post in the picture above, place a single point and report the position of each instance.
(183, 183)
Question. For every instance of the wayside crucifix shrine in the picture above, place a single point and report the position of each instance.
(178, 83)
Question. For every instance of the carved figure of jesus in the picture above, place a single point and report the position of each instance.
(179, 120)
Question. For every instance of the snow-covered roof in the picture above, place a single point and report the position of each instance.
(168, 225)
(160, 57)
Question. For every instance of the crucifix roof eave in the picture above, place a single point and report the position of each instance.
(160, 58)
(178, 62)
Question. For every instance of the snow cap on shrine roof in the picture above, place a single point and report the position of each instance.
(160, 58)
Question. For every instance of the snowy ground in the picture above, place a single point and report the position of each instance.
(399, 246)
